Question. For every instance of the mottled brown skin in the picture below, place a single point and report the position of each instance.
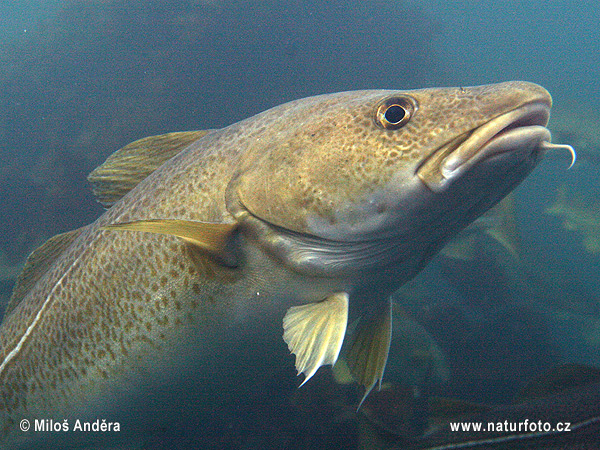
(331, 151)
(119, 307)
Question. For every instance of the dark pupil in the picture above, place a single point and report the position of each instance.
(394, 114)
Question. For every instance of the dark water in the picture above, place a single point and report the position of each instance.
(80, 79)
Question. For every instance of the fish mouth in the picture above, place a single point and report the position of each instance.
(520, 132)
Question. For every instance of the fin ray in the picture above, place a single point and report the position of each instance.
(211, 237)
(315, 332)
(125, 168)
(369, 351)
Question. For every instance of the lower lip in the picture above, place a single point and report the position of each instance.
(522, 140)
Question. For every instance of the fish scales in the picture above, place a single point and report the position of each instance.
(309, 213)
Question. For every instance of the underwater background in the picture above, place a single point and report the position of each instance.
(79, 79)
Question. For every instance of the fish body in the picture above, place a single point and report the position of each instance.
(490, 245)
(578, 215)
(558, 411)
(311, 213)
(539, 423)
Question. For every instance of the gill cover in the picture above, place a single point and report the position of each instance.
(325, 171)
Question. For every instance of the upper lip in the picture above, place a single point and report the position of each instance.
(529, 115)
(473, 146)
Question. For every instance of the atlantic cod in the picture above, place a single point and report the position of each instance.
(558, 410)
(306, 216)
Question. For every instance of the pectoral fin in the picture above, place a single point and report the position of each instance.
(315, 332)
(368, 353)
(210, 237)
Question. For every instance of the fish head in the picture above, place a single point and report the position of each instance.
(359, 179)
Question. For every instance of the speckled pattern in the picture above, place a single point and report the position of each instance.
(115, 300)
(325, 152)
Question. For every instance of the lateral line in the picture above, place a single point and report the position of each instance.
(39, 314)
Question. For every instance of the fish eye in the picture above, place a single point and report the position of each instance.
(393, 113)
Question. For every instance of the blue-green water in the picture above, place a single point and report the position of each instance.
(80, 79)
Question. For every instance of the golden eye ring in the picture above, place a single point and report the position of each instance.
(395, 112)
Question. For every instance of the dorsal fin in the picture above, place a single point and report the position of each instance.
(125, 168)
(38, 263)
